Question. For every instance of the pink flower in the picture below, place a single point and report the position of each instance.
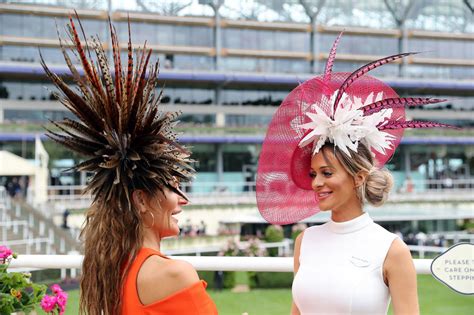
(57, 302)
(61, 301)
(5, 252)
(56, 288)
(48, 303)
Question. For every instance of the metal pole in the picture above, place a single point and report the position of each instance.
(220, 163)
(217, 38)
(315, 40)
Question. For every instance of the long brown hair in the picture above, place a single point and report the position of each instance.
(112, 236)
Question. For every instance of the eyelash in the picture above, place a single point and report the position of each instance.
(326, 174)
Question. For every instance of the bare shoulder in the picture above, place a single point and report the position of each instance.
(162, 269)
(171, 275)
(296, 252)
(400, 277)
(398, 257)
(398, 251)
(182, 271)
(298, 239)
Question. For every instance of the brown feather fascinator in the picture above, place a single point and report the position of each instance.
(129, 142)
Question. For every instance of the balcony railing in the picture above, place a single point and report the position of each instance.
(205, 193)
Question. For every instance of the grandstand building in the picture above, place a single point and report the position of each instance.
(227, 65)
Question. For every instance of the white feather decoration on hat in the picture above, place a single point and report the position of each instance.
(349, 126)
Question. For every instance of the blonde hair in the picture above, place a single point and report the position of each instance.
(377, 183)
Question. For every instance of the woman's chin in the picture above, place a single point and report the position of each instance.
(173, 232)
(323, 206)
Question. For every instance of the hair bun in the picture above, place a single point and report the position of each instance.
(377, 186)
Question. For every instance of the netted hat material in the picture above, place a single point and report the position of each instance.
(340, 108)
(129, 143)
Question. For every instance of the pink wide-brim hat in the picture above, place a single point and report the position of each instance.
(284, 193)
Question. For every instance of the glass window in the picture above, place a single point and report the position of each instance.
(205, 157)
(439, 48)
(12, 24)
(232, 38)
(291, 66)
(387, 70)
(253, 97)
(192, 62)
(439, 72)
(47, 27)
(182, 35)
(165, 34)
(31, 54)
(299, 42)
(360, 44)
(236, 156)
(198, 119)
(248, 120)
(201, 36)
(266, 40)
(37, 116)
(142, 32)
(187, 96)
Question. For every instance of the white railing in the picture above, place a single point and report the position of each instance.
(232, 187)
(282, 247)
(14, 227)
(212, 263)
(244, 192)
(421, 249)
(30, 242)
(5, 204)
(46, 235)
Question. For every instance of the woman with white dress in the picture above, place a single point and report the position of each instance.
(324, 151)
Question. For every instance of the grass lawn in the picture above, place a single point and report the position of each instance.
(435, 298)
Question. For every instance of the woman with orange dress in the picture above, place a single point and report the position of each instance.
(136, 164)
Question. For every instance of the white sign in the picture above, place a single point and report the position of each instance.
(455, 268)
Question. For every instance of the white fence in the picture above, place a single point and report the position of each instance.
(46, 238)
(13, 226)
(272, 264)
(283, 248)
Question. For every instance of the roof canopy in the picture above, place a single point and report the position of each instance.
(13, 165)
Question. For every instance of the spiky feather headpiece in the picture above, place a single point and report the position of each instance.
(129, 143)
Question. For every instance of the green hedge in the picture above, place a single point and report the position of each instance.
(273, 234)
(272, 280)
(208, 276)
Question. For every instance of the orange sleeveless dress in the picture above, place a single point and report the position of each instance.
(192, 300)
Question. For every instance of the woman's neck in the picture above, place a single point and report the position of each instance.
(347, 211)
(151, 240)
(344, 216)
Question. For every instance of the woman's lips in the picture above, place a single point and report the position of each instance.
(174, 213)
(324, 195)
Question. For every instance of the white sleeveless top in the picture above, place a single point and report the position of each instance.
(341, 268)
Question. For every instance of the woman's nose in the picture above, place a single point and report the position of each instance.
(183, 201)
(316, 183)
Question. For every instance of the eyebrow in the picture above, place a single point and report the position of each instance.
(324, 166)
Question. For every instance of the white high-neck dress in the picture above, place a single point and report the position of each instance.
(341, 268)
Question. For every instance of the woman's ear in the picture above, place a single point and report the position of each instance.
(360, 178)
(138, 197)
